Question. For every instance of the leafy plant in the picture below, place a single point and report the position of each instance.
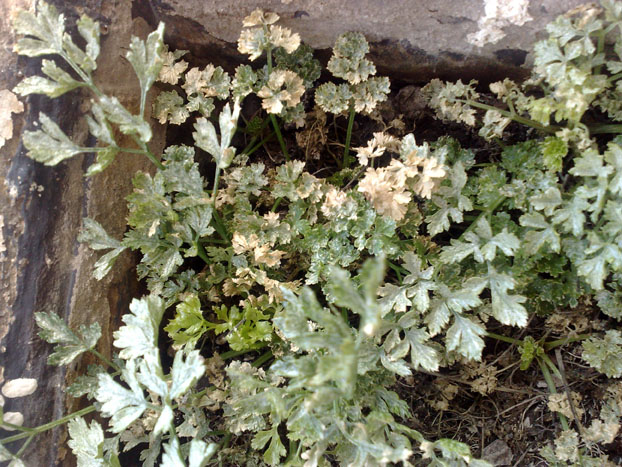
(347, 283)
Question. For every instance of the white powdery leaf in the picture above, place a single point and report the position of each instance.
(172, 455)
(506, 308)
(185, 373)
(121, 404)
(200, 452)
(19, 387)
(464, 337)
(140, 333)
(86, 442)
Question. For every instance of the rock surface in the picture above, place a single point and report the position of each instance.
(43, 268)
(412, 40)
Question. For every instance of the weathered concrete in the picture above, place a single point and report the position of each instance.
(412, 40)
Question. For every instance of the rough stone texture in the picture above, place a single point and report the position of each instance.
(412, 40)
(42, 266)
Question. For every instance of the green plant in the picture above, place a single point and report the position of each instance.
(346, 283)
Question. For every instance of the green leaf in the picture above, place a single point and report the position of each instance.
(333, 98)
(188, 325)
(345, 294)
(50, 145)
(275, 450)
(146, 58)
(139, 335)
(422, 355)
(447, 301)
(47, 25)
(86, 385)
(610, 303)
(554, 150)
(547, 201)
(70, 345)
(86, 442)
(97, 238)
(169, 107)
(605, 354)
(99, 127)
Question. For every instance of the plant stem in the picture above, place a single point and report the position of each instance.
(552, 389)
(262, 359)
(237, 353)
(275, 124)
(517, 118)
(566, 340)
(279, 136)
(276, 204)
(105, 360)
(201, 251)
(501, 338)
(346, 152)
(49, 426)
(215, 189)
(24, 446)
(604, 129)
(485, 212)
(220, 227)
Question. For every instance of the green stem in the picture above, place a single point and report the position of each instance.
(275, 124)
(149, 154)
(259, 144)
(105, 360)
(605, 129)
(552, 389)
(279, 136)
(220, 227)
(201, 251)
(237, 353)
(49, 426)
(215, 189)
(517, 118)
(262, 359)
(485, 212)
(566, 340)
(276, 204)
(501, 338)
(24, 446)
(346, 152)
(83, 76)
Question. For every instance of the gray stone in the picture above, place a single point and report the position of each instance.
(411, 40)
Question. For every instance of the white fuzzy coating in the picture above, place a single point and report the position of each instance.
(19, 387)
